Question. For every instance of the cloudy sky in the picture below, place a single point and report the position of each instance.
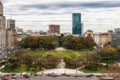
(36, 15)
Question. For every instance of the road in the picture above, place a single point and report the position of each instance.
(117, 77)
(58, 78)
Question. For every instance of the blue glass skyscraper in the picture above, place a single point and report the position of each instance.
(76, 23)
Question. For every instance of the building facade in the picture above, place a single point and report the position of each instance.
(116, 37)
(76, 24)
(20, 34)
(10, 34)
(11, 38)
(54, 29)
(2, 29)
(102, 38)
(10, 24)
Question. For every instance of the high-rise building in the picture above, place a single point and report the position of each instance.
(2, 28)
(1, 9)
(11, 34)
(76, 24)
(11, 38)
(10, 24)
(116, 37)
(54, 29)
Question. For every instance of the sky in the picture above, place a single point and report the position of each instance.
(36, 15)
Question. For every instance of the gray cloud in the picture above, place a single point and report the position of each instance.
(94, 14)
(3, 1)
(102, 4)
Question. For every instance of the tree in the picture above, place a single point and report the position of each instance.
(11, 64)
(50, 42)
(52, 61)
(41, 42)
(29, 59)
(40, 62)
(109, 55)
(78, 43)
(70, 42)
(60, 39)
(70, 63)
(91, 61)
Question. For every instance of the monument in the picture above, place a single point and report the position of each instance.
(62, 64)
(61, 69)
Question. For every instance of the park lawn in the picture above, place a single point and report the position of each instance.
(40, 52)
(92, 71)
(101, 70)
(61, 54)
(20, 69)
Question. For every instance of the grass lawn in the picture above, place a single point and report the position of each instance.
(40, 52)
(20, 69)
(92, 71)
(61, 54)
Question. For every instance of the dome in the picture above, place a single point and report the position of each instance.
(89, 30)
(1, 9)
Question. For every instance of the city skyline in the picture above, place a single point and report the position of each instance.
(97, 15)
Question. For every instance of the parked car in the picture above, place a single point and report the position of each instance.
(65, 75)
(13, 76)
(89, 75)
(53, 75)
(79, 75)
(25, 76)
(5, 78)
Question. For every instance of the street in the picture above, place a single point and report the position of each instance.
(66, 77)
(58, 78)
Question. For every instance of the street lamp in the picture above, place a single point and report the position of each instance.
(76, 68)
(76, 64)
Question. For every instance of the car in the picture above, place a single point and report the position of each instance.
(20, 75)
(13, 76)
(4, 78)
(89, 75)
(79, 75)
(37, 74)
(25, 76)
(65, 75)
(53, 75)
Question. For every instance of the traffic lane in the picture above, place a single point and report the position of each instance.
(58, 78)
